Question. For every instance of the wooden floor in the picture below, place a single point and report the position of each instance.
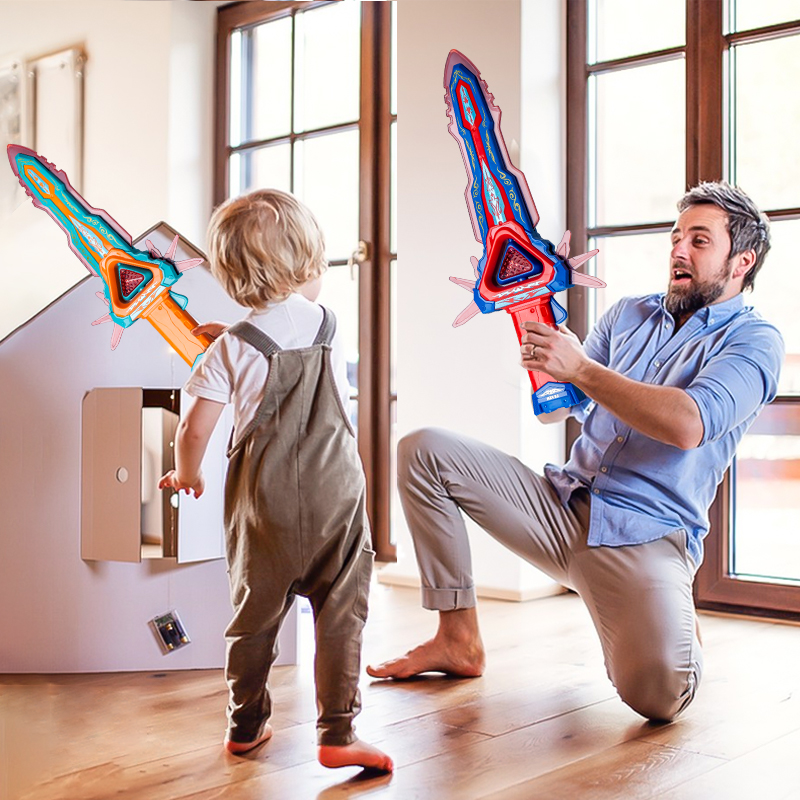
(543, 723)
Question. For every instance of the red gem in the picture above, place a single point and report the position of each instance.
(513, 264)
(129, 280)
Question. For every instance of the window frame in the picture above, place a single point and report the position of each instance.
(374, 368)
(707, 125)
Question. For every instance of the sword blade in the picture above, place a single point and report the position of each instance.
(91, 232)
(497, 191)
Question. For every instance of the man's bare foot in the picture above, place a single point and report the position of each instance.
(237, 748)
(355, 754)
(434, 656)
(456, 649)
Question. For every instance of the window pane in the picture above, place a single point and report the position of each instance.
(265, 168)
(767, 119)
(237, 106)
(327, 65)
(767, 483)
(759, 13)
(393, 322)
(271, 87)
(776, 304)
(630, 27)
(640, 158)
(630, 265)
(326, 179)
(396, 509)
(393, 101)
(393, 199)
(340, 294)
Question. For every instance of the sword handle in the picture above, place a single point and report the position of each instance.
(175, 325)
(548, 394)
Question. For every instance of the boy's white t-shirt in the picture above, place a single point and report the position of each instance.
(234, 371)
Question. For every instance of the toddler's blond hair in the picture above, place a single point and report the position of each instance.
(263, 246)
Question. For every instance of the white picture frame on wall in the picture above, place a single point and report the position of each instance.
(14, 124)
(55, 92)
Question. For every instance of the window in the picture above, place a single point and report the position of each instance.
(660, 97)
(305, 104)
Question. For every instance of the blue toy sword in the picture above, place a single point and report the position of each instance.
(519, 271)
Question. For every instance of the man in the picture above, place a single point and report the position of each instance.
(674, 381)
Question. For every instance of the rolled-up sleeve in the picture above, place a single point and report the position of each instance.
(738, 381)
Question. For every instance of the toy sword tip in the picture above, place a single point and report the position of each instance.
(464, 283)
(466, 315)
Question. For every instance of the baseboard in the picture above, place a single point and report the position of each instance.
(487, 592)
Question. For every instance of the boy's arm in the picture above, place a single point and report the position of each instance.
(191, 440)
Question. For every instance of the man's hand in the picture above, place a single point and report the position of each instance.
(170, 480)
(559, 353)
(665, 413)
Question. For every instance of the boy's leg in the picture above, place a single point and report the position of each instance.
(251, 649)
(339, 603)
(640, 599)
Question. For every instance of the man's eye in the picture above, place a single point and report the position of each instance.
(700, 240)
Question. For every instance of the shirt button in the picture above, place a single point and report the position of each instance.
(619, 438)
(597, 491)
(603, 469)
(657, 364)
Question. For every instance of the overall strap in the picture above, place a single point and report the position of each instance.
(327, 328)
(254, 336)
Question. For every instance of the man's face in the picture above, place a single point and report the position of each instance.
(700, 270)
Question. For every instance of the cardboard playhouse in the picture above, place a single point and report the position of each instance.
(90, 551)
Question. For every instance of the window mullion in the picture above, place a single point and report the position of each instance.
(705, 91)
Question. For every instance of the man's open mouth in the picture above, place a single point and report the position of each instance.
(680, 276)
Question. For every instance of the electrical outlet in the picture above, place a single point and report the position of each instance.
(170, 632)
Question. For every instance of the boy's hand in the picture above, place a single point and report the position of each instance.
(214, 329)
(170, 481)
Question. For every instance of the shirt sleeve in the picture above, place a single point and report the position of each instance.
(212, 378)
(738, 380)
(598, 347)
(598, 343)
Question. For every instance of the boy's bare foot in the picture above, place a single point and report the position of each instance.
(237, 748)
(465, 661)
(356, 754)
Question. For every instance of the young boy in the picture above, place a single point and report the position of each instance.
(295, 517)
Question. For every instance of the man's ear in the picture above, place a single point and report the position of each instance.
(744, 263)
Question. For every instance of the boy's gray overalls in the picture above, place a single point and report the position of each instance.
(296, 523)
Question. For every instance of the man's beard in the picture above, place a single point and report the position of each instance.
(685, 300)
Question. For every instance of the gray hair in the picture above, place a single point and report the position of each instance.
(747, 226)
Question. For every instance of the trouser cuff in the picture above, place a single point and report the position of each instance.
(329, 738)
(448, 599)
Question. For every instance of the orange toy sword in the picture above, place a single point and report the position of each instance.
(137, 282)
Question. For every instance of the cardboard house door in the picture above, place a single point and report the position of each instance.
(113, 457)
(201, 535)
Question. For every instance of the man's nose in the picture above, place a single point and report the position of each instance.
(680, 251)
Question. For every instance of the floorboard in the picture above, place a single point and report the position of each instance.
(543, 722)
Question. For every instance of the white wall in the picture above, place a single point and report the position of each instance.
(468, 378)
(148, 133)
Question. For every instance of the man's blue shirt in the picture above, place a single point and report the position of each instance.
(727, 358)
